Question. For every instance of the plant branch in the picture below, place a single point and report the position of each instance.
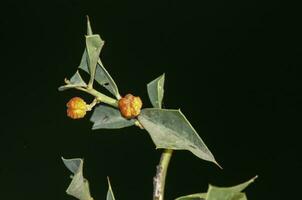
(100, 97)
(161, 172)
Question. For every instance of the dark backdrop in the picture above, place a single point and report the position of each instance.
(233, 68)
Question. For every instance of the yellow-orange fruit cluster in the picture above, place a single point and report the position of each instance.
(130, 106)
(76, 108)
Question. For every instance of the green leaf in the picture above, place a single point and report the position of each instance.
(89, 60)
(170, 129)
(110, 195)
(227, 193)
(109, 118)
(79, 186)
(156, 91)
(221, 193)
(105, 80)
(239, 196)
(203, 196)
(94, 44)
(83, 64)
(198, 196)
(101, 75)
(75, 81)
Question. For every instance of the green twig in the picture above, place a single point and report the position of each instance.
(160, 177)
(100, 97)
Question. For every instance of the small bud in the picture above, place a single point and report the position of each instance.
(76, 108)
(130, 106)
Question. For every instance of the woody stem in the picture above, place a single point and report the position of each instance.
(160, 177)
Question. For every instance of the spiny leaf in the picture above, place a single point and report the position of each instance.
(221, 193)
(156, 91)
(105, 80)
(75, 81)
(170, 129)
(79, 186)
(74, 165)
(110, 195)
(109, 118)
(227, 193)
(94, 44)
(198, 196)
(202, 196)
(101, 75)
(239, 196)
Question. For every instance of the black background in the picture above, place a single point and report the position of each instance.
(233, 68)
